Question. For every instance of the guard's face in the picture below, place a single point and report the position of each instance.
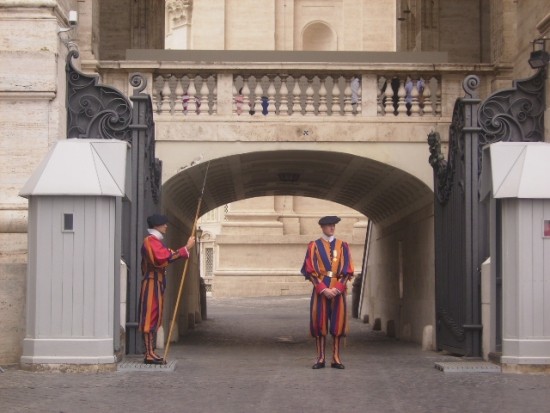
(328, 229)
(162, 228)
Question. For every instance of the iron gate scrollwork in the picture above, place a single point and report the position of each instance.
(461, 219)
(96, 111)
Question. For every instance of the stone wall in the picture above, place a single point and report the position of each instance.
(280, 25)
(129, 24)
(32, 118)
(400, 285)
(263, 241)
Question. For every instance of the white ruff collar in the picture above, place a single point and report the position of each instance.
(329, 239)
(155, 233)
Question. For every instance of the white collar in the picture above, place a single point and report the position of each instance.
(155, 233)
(329, 239)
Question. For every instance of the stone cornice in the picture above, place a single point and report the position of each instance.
(5, 4)
(26, 95)
(282, 67)
(59, 7)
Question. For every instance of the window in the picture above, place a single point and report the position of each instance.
(208, 262)
(68, 222)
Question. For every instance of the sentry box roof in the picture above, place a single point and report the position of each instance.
(85, 167)
(516, 170)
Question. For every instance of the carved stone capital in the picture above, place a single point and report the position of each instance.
(178, 12)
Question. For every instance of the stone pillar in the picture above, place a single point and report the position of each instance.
(369, 95)
(225, 94)
(32, 113)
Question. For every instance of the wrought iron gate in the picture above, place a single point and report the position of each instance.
(97, 111)
(461, 219)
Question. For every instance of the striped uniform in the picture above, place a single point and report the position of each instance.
(323, 257)
(155, 257)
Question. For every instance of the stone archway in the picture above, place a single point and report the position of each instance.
(400, 281)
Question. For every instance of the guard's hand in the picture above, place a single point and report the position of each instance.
(329, 293)
(190, 243)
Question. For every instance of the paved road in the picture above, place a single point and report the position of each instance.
(254, 355)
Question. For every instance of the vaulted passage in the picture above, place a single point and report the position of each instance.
(376, 190)
(398, 286)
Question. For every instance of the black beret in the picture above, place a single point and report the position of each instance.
(156, 220)
(328, 220)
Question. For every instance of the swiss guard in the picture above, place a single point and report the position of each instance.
(328, 265)
(155, 257)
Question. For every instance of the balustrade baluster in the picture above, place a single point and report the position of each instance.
(415, 108)
(355, 86)
(401, 103)
(283, 93)
(234, 95)
(214, 96)
(238, 99)
(203, 96)
(296, 97)
(192, 93)
(437, 85)
(427, 108)
(258, 92)
(335, 102)
(388, 93)
(246, 94)
(166, 94)
(185, 96)
(157, 94)
(322, 98)
(380, 110)
(178, 104)
(310, 109)
(348, 108)
(271, 92)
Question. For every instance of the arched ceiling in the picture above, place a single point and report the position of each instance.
(375, 189)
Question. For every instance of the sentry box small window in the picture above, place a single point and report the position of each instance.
(68, 222)
(546, 228)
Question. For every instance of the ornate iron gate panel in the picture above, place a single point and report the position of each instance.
(461, 219)
(145, 200)
(96, 111)
(457, 229)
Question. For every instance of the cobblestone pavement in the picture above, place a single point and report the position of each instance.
(254, 355)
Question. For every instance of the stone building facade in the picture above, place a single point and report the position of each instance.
(483, 36)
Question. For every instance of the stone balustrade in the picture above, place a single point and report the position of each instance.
(237, 86)
(180, 93)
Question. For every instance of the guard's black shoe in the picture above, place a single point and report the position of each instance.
(318, 365)
(154, 361)
(335, 365)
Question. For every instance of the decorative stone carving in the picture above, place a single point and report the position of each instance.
(178, 13)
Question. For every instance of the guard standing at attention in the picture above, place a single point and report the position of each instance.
(329, 267)
(155, 257)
